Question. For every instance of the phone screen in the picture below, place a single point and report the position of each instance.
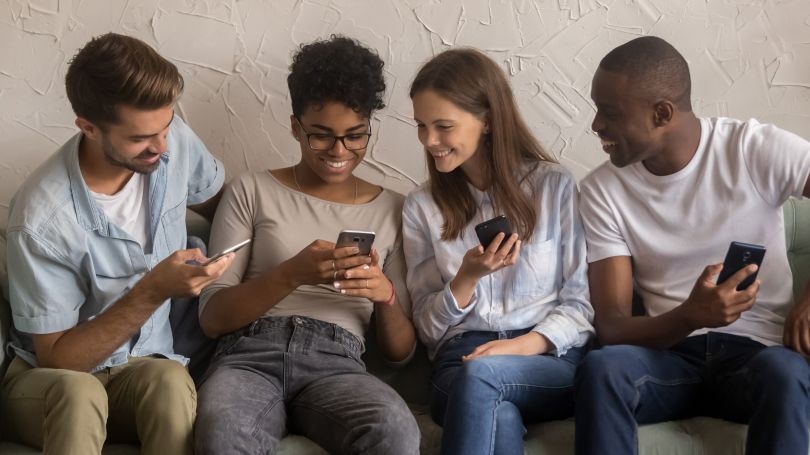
(738, 256)
(487, 230)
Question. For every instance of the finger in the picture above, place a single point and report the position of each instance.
(507, 245)
(709, 274)
(734, 280)
(375, 257)
(345, 252)
(352, 262)
(320, 244)
(191, 253)
(495, 243)
(218, 267)
(357, 283)
(513, 256)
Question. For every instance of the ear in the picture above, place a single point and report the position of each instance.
(663, 112)
(88, 128)
(295, 129)
(486, 129)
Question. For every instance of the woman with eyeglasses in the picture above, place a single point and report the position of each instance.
(293, 309)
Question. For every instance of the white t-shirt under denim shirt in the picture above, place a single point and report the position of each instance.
(547, 289)
(673, 226)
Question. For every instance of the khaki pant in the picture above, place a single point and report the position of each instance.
(148, 400)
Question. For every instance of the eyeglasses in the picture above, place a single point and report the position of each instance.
(321, 142)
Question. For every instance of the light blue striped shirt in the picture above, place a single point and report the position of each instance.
(547, 288)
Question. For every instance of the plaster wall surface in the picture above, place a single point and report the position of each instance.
(749, 58)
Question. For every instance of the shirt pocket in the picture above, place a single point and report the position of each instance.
(535, 271)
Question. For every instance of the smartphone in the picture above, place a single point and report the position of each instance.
(361, 239)
(738, 256)
(487, 230)
(219, 255)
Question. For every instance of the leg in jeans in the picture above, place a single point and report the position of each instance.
(335, 402)
(491, 396)
(152, 400)
(617, 386)
(240, 408)
(766, 388)
(355, 413)
(59, 411)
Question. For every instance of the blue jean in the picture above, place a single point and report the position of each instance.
(299, 375)
(483, 404)
(718, 375)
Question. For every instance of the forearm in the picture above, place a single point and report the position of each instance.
(234, 307)
(88, 344)
(395, 332)
(659, 332)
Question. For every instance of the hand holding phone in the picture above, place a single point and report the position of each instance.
(740, 255)
(361, 239)
(487, 230)
(218, 256)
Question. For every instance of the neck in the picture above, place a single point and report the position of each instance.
(474, 170)
(100, 175)
(680, 146)
(308, 182)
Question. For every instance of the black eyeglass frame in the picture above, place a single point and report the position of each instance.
(334, 138)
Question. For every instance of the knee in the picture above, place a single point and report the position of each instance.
(169, 391)
(781, 371)
(603, 366)
(78, 396)
(400, 431)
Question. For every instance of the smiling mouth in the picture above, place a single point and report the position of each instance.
(336, 164)
(608, 145)
(440, 154)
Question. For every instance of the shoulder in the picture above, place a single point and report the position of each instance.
(418, 199)
(605, 174)
(45, 196)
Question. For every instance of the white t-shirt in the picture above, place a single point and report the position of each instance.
(128, 209)
(673, 226)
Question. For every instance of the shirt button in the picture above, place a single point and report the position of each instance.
(297, 320)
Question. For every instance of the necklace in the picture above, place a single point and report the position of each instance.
(295, 179)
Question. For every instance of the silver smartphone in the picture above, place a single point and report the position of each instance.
(361, 239)
(222, 253)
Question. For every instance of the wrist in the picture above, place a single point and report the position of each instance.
(391, 297)
(537, 343)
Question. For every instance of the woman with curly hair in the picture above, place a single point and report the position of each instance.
(293, 308)
(505, 323)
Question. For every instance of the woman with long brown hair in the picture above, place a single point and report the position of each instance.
(505, 323)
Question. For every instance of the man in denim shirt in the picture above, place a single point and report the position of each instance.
(95, 251)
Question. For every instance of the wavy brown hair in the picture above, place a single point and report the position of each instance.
(113, 70)
(473, 82)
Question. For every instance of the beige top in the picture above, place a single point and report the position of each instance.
(282, 222)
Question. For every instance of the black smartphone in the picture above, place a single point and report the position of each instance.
(361, 239)
(487, 230)
(738, 256)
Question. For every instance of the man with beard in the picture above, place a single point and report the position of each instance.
(96, 239)
(659, 218)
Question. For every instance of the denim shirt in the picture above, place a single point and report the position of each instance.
(546, 290)
(67, 263)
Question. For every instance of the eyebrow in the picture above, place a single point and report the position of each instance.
(147, 136)
(354, 128)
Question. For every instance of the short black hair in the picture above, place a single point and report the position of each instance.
(337, 69)
(654, 67)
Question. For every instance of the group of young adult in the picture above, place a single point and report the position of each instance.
(97, 250)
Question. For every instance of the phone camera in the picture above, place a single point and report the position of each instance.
(746, 256)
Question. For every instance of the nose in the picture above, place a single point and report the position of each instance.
(338, 147)
(159, 144)
(597, 124)
(428, 137)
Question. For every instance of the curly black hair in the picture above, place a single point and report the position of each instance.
(338, 69)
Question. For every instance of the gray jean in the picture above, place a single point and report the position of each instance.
(300, 375)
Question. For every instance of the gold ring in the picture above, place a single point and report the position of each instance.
(366, 284)
(334, 269)
(334, 275)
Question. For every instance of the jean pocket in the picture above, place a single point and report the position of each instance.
(228, 343)
(535, 272)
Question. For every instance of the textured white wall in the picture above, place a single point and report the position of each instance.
(749, 58)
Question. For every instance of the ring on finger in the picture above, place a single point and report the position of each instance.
(366, 284)
(334, 275)
(334, 269)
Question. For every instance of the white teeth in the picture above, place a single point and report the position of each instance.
(606, 143)
(336, 164)
(440, 154)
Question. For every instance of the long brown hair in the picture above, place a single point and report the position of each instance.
(473, 82)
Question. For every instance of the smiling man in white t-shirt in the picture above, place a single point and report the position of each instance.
(659, 218)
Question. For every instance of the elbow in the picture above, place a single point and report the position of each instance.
(210, 327)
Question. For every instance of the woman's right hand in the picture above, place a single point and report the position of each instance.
(321, 263)
(479, 262)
